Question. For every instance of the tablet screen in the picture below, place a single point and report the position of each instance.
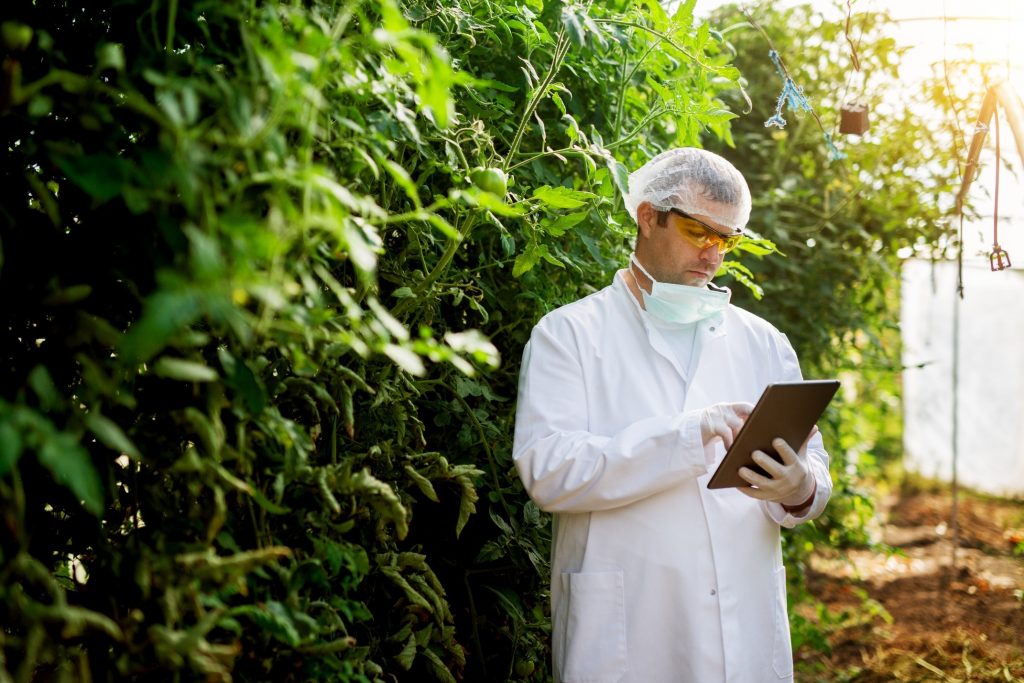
(788, 410)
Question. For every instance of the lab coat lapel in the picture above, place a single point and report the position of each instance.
(658, 341)
(711, 361)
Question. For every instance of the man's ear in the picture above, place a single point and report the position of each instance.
(645, 219)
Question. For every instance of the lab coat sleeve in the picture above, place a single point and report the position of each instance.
(567, 468)
(817, 457)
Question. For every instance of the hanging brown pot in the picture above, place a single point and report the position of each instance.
(853, 118)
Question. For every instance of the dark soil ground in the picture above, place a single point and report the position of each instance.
(914, 615)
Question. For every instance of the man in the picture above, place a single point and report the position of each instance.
(627, 400)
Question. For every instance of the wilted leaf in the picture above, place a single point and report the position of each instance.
(422, 483)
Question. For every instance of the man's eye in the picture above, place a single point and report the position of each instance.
(696, 233)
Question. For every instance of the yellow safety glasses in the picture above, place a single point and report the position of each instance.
(701, 235)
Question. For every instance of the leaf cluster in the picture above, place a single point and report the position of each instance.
(255, 291)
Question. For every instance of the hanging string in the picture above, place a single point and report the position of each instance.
(999, 259)
(995, 208)
(853, 48)
(955, 492)
(791, 95)
(854, 56)
(957, 138)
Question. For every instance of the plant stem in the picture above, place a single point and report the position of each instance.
(172, 17)
(666, 38)
(496, 481)
(442, 265)
(541, 155)
(561, 48)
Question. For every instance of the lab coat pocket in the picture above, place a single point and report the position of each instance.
(590, 646)
(782, 649)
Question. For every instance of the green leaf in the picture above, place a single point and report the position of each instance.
(620, 174)
(407, 656)
(422, 483)
(743, 276)
(757, 247)
(274, 618)
(404, 180)
(714, 116)
(508, 244)
(184, 370)
(511, 602)
(546, 254)
(110, 56)
(72, 468)
(165, 314)
(411, 594)
(68, 295)
(527, 260)
(437, 666)
(110, 434)
(683, 16)
(241, 378)
(10, 447)
(45, 390)
(490, 201)
(467, 503)
(564, 222)
(405, 359)
(573, 26)
(101, 176)
(562, 197)
(265, 503)
(443, 226)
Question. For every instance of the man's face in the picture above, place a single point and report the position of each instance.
(671, 257)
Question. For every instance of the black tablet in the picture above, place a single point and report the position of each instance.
(788, 410)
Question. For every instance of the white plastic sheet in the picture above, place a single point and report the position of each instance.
(990, 411)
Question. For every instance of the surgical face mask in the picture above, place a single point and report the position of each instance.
(681, 304)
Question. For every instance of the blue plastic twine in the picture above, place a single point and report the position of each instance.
(793, 96)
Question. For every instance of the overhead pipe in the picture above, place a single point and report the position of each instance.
(1013, 111)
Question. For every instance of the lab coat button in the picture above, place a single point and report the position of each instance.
(714, 592)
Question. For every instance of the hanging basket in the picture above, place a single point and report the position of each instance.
(853, 118)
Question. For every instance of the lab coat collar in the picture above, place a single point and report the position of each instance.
(706, 332)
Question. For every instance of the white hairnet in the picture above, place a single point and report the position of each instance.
(692, 180)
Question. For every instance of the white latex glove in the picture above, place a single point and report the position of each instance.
(790, 482)
(723, 421)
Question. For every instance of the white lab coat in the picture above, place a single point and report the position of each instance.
(655, 578)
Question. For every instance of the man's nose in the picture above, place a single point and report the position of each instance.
(711, 252)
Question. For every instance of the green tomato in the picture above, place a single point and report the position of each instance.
(491, 180)
(524, 667)
(16, 36)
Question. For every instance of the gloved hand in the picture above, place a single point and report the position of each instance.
(790, 482)
(723, 421)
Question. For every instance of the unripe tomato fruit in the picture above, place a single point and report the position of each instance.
(524, 667)
(490, 179)
(16, 36)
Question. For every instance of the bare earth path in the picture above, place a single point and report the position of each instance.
(965, 624)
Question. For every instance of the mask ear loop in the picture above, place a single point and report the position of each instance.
(634, 261)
